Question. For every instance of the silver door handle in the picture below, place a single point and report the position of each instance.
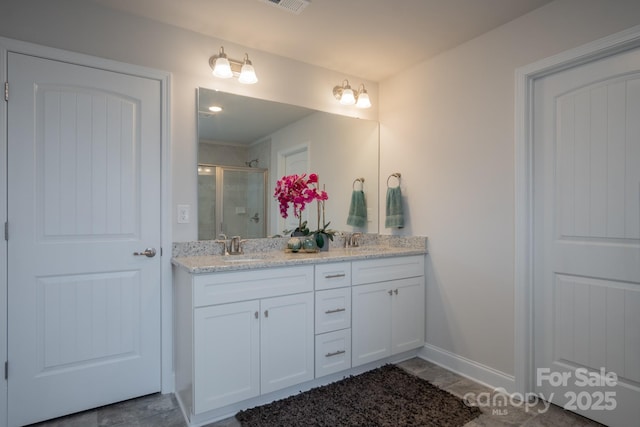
(149, 252)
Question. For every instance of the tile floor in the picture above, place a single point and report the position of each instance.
(159, 410)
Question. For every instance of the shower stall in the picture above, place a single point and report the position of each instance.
(231, 200)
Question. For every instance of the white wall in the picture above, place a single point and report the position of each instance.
(447, 125)
(85, 27)
(339, 147)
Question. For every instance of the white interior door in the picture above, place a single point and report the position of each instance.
(294, 162)
(587, 238)
(83, 196)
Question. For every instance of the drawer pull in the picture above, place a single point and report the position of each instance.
(337, 310)
(334, 276)
(335, 353)
(256, 314)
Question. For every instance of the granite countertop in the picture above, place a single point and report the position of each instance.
(214, 263)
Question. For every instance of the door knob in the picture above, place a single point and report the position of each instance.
(149, 252)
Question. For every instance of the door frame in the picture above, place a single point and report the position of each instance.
(164, 78)
(523, 292)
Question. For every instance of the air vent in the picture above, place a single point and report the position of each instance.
(293, 6)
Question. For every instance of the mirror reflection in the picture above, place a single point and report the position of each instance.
(246, 146)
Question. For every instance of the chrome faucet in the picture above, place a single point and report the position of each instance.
(352, 240)
(235, 246)
(222, 238)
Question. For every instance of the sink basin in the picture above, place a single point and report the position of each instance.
(368, 249)
(242, 259)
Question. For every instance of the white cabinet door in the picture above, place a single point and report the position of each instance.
(407, 315)
(286, 341)
(371, 322)
(226, 354)
(388, 319)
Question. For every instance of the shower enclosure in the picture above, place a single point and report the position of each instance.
(231, 200)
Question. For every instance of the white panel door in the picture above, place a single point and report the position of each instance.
(587, 238)
(83, 196)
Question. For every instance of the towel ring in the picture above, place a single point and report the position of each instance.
(394, 175)
(360, 180)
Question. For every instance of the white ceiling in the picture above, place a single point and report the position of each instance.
(372, 39)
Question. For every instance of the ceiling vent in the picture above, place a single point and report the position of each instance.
(293, 6)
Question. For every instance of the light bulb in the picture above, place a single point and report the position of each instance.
(222, 68)
(363, 100)
(347, 97)
(247, 73)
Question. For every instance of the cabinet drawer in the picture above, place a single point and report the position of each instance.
(333, 352)
(220, 288)
(380, 270)
(333, 310)
(333, 275)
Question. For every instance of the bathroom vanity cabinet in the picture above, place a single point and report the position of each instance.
(252, 333)
(388, 307)
(246, 336)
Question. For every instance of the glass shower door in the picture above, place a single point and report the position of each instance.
(237, 202)
(243, 202)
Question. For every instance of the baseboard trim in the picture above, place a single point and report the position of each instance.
(468, 368)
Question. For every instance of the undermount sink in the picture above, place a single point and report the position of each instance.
(368, 248)
(242, 259)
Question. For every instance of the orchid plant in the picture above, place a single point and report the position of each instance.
(297, 191)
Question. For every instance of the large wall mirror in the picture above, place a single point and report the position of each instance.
(246, 146)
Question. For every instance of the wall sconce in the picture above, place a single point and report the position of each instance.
(225, 68)
(348, 96)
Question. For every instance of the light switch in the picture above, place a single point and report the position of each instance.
(183, 214)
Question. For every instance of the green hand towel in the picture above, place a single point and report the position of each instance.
(357, 210)
(395, 215)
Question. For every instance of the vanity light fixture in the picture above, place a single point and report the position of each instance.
(347, 96)
(225, 68)
(363, 98)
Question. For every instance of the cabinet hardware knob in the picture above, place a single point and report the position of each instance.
(266, 313)
(335, 353)
(256, 314)
(390, 292)
(334, 276)
(395, 292)
(337, 310)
